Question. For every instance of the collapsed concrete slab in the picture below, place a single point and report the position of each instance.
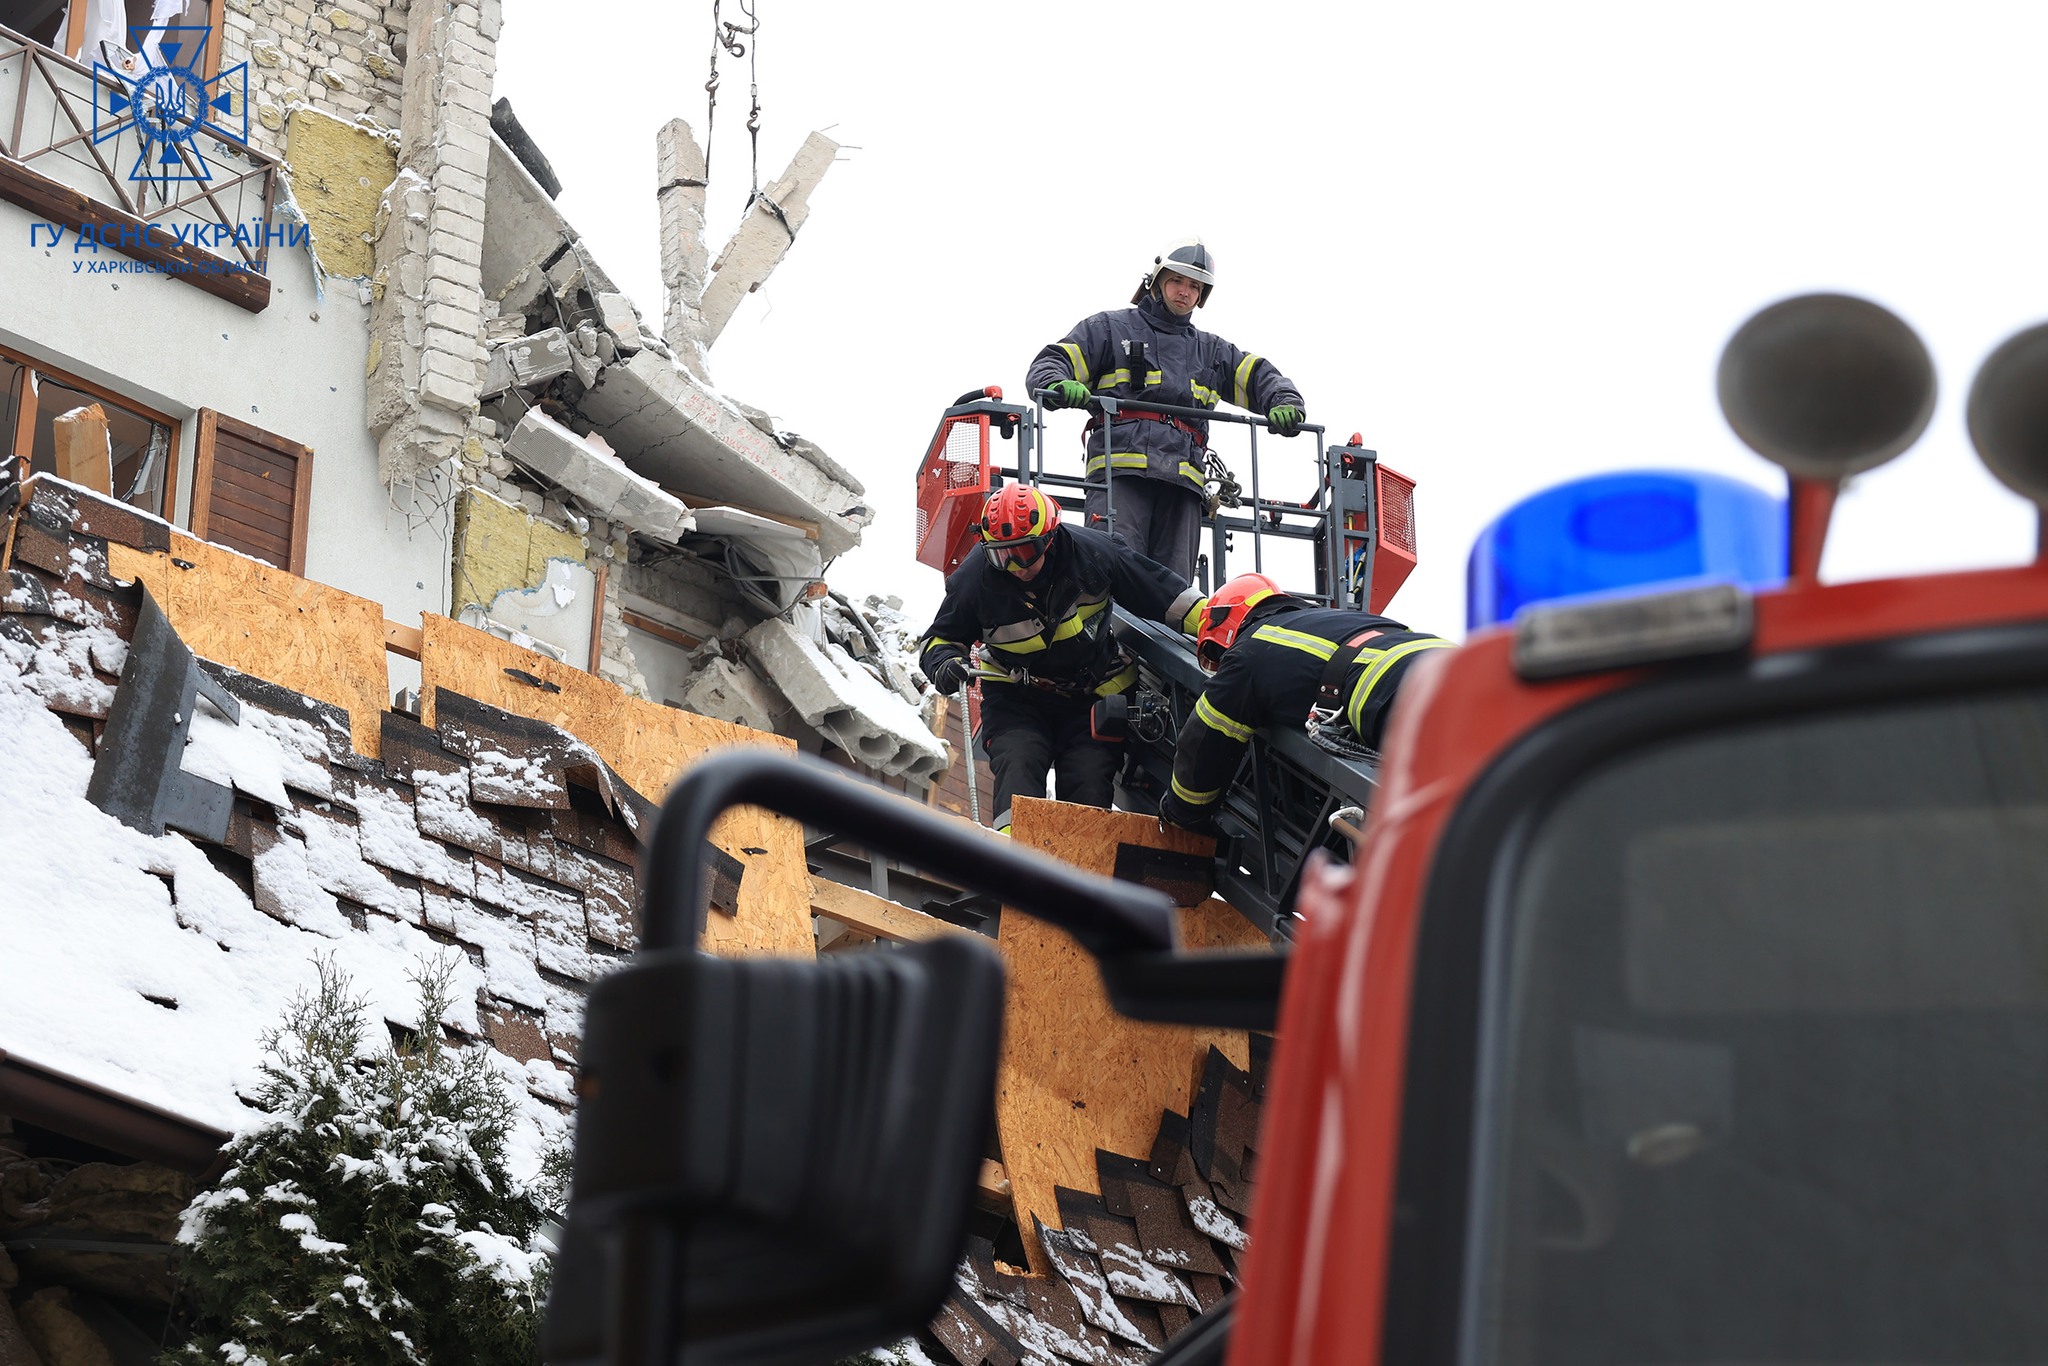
(523, 230)
(686, 436)
(565, 460)
(843, 702)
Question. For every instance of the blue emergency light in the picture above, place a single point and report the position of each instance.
(1614, 531)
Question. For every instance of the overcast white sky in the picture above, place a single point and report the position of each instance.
(1505, 243)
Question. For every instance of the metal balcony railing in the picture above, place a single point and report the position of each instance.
(48, 104)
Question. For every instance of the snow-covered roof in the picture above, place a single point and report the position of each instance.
(151, 965)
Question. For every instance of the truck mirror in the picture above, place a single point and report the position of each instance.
(775, 1158)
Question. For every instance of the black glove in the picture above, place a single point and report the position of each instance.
(949, 675)
(1066, 393)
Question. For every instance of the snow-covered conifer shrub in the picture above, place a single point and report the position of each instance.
(370, 1218)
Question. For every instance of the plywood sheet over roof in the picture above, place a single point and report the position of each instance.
(270, 624)
(648, 746)
(1077, 1076)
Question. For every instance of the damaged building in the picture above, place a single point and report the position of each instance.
(368, 348)
(371, 565)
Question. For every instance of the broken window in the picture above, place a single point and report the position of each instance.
(99, 30)
(60, 425)
(250, 490)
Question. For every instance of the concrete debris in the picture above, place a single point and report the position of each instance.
(725, 691)
(843, 702)
(523, 232)
(686, 436)
(890, 657)
(557, 455)
(622, 320)
(575, 269)
(497, 374)
(802, 446)
(667, 422)
(764, 237)
(536, 359)
(680, 173)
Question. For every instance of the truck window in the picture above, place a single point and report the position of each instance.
(1771, 1061)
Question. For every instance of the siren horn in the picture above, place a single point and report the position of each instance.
(2008, 417)
(1825, 386)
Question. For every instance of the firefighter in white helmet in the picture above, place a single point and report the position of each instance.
(1154, 351)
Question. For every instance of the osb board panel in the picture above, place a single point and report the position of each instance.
(271, 625)
(1077, 1076)
(647, 745)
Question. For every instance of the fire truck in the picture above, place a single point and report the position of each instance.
(1684, 1001)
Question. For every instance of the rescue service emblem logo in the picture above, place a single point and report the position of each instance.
(159, 89)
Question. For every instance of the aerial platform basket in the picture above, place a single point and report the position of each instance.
(955, 477)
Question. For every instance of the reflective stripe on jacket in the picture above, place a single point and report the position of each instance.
(1056, 627)
(1270, 677)
(1146, 353)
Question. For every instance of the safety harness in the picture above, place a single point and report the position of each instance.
(1185, 428)
(1227, 492)
(1329, 704)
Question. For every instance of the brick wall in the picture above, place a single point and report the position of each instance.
(344, 57)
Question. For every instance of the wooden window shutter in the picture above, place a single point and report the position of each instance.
(250, 490)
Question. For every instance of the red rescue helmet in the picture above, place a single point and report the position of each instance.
(1224, 614)
(1017, 523)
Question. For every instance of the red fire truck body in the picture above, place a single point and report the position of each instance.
(1335, 1250)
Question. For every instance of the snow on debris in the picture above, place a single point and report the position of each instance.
(247, 760)
(259, 755)
(1210, 1219)
(510, 773)
(59, 668)
(98, 918)
(1131, 1275)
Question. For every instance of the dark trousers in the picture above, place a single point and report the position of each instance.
(1029, 733)
(1160, 521)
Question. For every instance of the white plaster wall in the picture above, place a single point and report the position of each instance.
(295, 369)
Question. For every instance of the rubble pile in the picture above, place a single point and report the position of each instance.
(1134, 1265)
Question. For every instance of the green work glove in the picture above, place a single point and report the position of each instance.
(1285, 419)
(1068, 393)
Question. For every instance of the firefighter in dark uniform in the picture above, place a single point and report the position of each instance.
(1275, 659)
(1153, 351)
(1038, 600)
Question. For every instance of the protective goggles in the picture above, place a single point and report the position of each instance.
(1014, 554)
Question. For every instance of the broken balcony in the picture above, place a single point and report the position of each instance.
(201, 207)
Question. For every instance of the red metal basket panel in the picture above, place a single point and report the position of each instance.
(952, 485)
(1394, 558)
